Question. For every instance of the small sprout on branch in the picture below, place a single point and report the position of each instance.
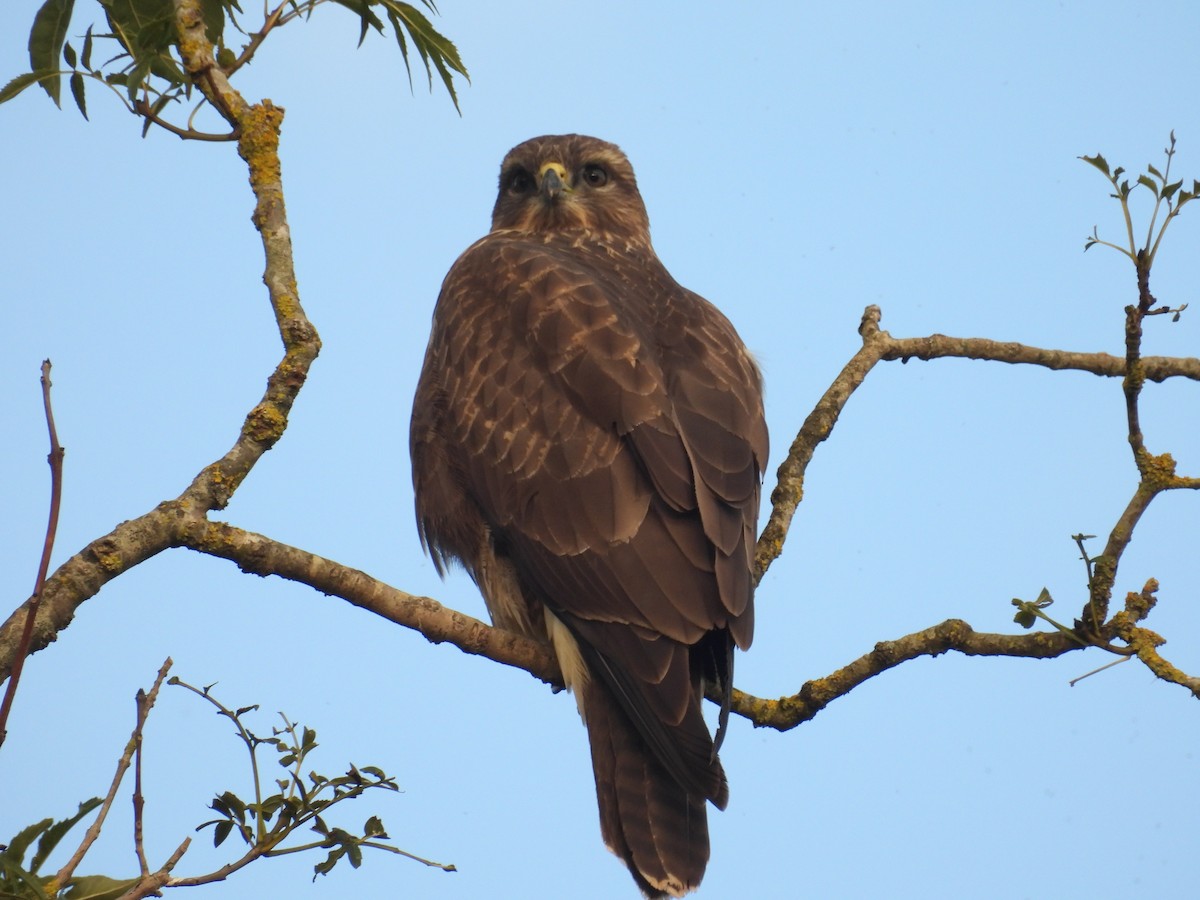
(1028, 613)
(1087, 560)
(1164, 190)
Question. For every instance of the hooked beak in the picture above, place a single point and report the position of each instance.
(552, 180)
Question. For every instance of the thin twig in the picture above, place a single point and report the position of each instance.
(142, 108)
(139, 802)
(55, 459)
(93, 832)
(257, 37)
(1087, 560)
(246, 737)
(1115, 662)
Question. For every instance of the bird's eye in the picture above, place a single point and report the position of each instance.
(518, 181)
(595, 175)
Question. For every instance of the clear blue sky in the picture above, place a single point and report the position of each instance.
(799, 161)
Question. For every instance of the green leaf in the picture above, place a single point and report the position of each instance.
(87, 49)
(221, 832)
(398, 30)
(367, 18)
(236, 805)
(18, 84)
(164, 67)
(69, 54)
(431, 45)
(146, 29)
(55, 832)
(98, 887)
(1146, 182)
(1024, 617)
(1157, 174)
(214, 20)
(46, 40)
(155, 108)
(324, 868)
(374, 828)
(20, 843)
(137, 76)
(15, 882)
(77, 93)
(1169, 189)
(1098, 161)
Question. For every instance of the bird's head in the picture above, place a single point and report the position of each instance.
(570, 182)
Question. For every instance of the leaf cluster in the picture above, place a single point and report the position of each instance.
(1165, 192)
(21, 880)
(145, 68)
(301, 801)
(264, 823)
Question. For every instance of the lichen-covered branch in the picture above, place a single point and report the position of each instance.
(878, 346)
(789, 485)
(953, 634)
(138, 539)
(1145, 643)
(940, 346)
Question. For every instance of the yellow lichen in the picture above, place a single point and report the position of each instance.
(265, 423)
(1158, 472)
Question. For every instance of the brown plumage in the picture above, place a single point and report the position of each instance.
(588, 440)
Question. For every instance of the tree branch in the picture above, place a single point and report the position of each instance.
(953, 634)
(151, 884)
(1144, 642)
(135, 541)
(789, 486)
(940, 346)
(260, 555)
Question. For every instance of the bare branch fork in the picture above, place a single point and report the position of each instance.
(183, 521)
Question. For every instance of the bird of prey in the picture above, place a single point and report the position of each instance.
(588, 440)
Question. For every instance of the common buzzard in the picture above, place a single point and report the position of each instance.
(588, 441)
